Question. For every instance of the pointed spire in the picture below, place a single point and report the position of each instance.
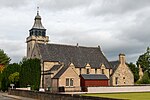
(37, 28)
(38, 23)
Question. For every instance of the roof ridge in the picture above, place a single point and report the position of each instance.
(70, 45)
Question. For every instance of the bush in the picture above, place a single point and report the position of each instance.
(30, 73)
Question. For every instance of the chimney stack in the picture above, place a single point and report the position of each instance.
(122, 58)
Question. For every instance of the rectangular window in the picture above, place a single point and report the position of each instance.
(87, 71)
(102, 71)
(69, 81)
(116, 80)
(96, 71)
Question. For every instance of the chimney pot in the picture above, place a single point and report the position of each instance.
(122, 58)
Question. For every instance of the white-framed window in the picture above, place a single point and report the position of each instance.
(69, 82)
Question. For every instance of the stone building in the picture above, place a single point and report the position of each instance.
(122, 75)
(62, 65)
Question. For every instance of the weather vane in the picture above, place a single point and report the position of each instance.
(38, 10)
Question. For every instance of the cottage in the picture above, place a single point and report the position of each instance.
(122, 75)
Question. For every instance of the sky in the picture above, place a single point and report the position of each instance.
(118, 26)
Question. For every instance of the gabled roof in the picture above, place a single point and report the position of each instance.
(77, 55)
(94, 76)
(62, 70)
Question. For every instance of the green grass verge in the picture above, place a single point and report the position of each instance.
(130, 96)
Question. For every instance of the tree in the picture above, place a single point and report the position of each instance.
(14, 78)
(144, 61)
(9, 69)
(135, 71)
(145, 79)
(4, 59)
(30, 73)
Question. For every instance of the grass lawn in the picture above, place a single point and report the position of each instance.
(130, 96)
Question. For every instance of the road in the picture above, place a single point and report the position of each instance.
(3, 96)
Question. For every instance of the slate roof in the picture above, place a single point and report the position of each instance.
(77, 55)
(114, 64)
(37, 23)
(94, 76)
(62, 70)
(55, 67)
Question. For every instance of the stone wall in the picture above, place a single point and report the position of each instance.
(51, 96)
(118, 89)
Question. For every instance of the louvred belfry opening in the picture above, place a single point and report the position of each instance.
(37, 29)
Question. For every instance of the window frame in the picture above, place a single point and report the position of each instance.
(69, 82)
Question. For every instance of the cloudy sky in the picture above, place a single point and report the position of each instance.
(118, 26)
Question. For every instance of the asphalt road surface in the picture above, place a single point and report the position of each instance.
(4, 97)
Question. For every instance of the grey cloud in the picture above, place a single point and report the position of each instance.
(13, 3)
(112, 7)
(116, 25)
(58, 5)
(13, 49)
(140, 31)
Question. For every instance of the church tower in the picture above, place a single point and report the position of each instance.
(37, 34)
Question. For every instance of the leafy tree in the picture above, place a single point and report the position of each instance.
(4, 59)
(30, 73)
(14, 78)
(10, 69)
(24, 59)
(4, 84)
(144, 62)
(135, 71)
